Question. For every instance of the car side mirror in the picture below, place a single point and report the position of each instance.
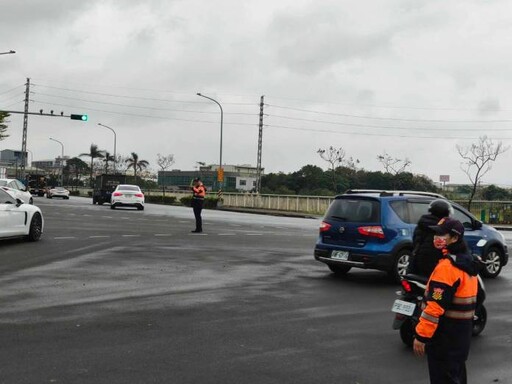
(18, 202)
(478, 224)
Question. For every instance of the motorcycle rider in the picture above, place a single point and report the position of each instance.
(445, 326)
(425, 256)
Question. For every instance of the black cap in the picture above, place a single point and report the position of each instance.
(197, 179)
(448, 225)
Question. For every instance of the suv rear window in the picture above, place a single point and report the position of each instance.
(354, 210)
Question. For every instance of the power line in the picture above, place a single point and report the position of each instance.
(389, 118)
(385, 127)
(12, 97)
(379, 134)
(142, 107)
(137, 97)
(143, 116)
(12, 89)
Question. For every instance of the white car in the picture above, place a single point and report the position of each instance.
(57, 192)
(16, 189)
(18, 219)
(126, 195)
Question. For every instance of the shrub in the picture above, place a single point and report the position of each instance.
(209, 202)
(168, 200)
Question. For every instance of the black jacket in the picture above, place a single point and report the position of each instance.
(425, 256)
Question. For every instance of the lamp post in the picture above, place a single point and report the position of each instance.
(115, 143)
(221, 120)
(61, 161)
(8, 52)
(31, 156)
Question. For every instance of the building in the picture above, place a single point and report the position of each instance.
(51, 166)
(237, 178)
(12, 157)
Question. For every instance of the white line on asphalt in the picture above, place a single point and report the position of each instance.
(226, 234)
(107, 217)
(254, 234)
(235, 225)
(85, 214)
(131, 235)
(99, 237)
(185, 222)
(64, 238)
(198, 234)
(163, 234)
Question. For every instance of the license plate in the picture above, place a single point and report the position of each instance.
(339, 255)
(403, 307)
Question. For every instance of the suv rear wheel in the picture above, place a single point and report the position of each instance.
(339, 269)
(400, 264)
(493, 258)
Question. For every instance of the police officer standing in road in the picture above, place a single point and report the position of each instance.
(197, 203)
(446, 323)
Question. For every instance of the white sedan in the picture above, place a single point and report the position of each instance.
(126, 195)
(16, 189)
(58, 192)
(18, 219)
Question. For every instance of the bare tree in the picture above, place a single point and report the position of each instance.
(164, 162)
(335, 157)
(478, 159)
(392, 164)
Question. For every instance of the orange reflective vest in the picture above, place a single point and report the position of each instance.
(199, 192)
(449, 307)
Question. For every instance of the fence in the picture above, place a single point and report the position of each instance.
(487, 211)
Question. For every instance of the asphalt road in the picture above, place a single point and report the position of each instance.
(126, 296)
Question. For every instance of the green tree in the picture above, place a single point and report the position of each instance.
(76, 167)
(137, 164)
(94, 153)
(493, 192)
(3, 126)
(108, 158)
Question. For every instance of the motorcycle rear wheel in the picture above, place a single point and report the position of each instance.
(407, 332)
(480, 320)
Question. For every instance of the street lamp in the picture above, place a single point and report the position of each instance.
(61, 162)
(8, 52)
(221, 120)
(31, 156)
(115, 140)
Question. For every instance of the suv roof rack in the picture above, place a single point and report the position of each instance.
(382, 192)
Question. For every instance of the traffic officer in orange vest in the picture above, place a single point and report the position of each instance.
(445, 326)
(197, 203)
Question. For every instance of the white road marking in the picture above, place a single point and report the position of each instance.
(99, 237)
(198, 234)
(130, 235)
(163, 234)
(234, 225)
(185, 222)
(226, 234)
(254, 234)
(107, 217)
(64, 238)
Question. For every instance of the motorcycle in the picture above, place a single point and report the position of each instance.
(408, 310)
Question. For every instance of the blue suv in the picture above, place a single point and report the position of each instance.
(373, 229)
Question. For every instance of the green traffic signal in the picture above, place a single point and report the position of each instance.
(79, 117)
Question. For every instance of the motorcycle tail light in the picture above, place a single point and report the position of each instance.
(406, 286)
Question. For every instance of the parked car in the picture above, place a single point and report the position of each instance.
(373, 230)
(18, 219)
(57, 192)
(126, 195)
(16, 189)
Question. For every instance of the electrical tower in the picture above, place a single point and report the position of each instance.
(260, 145)
(25, 126)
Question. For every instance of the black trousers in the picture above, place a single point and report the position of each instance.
(446, 371)
(197, 205)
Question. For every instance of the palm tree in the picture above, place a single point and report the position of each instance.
(94, 153)
(108, 157)
(136, 164)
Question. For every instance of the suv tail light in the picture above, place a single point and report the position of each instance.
(324, 227)
(117, 194)
(139, 195)
(372, 231)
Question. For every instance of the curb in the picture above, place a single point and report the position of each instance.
(270, 213)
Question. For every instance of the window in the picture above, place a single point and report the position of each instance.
(243, 183)
(417, 210)
(463, 218)
(355, 210)
(400, 208)
(5, 198)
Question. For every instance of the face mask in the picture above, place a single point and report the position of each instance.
(440, 242)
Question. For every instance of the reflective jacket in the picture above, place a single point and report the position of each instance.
(449, 305)
(199, 192)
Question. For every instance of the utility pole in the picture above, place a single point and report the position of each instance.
(25, 126)
(260, 146)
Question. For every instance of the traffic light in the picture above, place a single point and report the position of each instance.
(79, 117)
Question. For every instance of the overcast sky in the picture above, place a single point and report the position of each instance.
(137, 65)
